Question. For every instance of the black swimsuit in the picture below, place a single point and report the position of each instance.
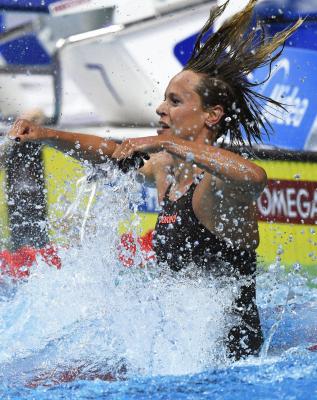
(180, 239)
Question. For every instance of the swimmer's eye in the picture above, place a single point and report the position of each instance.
(175, 100)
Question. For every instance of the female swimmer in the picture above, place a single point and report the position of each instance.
(208, 193)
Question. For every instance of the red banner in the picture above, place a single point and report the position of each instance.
(289, 202)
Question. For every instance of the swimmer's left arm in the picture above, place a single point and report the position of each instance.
(241, 174)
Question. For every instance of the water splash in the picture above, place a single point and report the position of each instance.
(289, 310)
(95, 316)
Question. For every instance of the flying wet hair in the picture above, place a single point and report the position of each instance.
(225, 59)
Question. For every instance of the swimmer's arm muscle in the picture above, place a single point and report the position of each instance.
(236, 172)
(243, 175)
(81, 146)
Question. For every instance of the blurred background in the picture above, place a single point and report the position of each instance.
(101, 66)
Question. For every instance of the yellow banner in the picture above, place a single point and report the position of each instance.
(290, 242)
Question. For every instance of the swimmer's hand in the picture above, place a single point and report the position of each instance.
(25, 131)
(134, 162)
(150, 144)
(131, 153)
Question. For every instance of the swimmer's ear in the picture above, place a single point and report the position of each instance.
(214, 116)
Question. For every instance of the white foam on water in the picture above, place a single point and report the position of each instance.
(101, 316)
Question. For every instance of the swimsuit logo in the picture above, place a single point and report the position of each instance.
(168, 219)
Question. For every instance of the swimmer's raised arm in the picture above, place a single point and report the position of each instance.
(241, 174)
(233, 169)
(80, 146)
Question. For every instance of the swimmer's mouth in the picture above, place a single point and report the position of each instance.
(162, 126)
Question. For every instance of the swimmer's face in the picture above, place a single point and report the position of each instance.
(181, 112)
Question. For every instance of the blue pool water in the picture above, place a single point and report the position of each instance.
(160, 336)
(291, 375)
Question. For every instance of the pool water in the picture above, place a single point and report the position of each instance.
(148, 333)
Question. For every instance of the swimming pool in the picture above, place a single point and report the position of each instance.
(289, 371)
(158, 335)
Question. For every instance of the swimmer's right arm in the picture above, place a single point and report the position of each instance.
(80, 146)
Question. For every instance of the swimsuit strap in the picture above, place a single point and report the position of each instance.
(168, 191)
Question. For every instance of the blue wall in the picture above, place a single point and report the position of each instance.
(26, 5)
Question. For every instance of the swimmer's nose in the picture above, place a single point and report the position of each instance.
(161, 109)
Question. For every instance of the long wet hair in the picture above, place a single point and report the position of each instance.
(225, 59)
